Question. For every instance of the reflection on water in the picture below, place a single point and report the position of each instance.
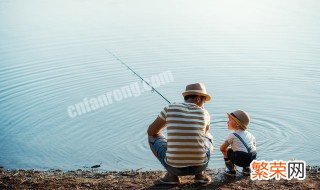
(258, 56)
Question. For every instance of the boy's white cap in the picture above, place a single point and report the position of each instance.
(240, 117)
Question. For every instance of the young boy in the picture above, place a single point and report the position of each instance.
(242, 150)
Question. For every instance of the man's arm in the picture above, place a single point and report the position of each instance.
(156, 127)
(208, 122)
(207, 129)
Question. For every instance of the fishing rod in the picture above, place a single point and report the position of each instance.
(152, 88)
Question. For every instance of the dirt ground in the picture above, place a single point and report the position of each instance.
(86, 179)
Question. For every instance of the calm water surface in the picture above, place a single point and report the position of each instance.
(260, 56)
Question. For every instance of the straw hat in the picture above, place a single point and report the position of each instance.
(197, 89)
(241, 118)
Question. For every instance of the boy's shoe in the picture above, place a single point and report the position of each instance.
(246, 171)
(170, 179)
(231, 168)
(202, 178)
(231, 173)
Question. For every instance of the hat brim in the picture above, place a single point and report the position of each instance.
(208, 97)
(237, 121)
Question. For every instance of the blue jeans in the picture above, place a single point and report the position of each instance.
(158, 146)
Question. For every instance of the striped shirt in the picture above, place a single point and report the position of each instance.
(186, 124)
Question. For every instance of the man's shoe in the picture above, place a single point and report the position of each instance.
(229, 172)
(170, 179)
(246, 171)
(202, 178)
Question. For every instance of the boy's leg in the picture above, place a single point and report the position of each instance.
(241, 159)
(245, 160)
(247, 170)
(229, 162)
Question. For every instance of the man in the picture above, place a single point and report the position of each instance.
(187, 149)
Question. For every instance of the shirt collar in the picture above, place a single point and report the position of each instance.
(191, 104)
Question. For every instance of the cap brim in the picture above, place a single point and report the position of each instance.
(237, 121)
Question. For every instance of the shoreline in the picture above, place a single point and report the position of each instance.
(135, 179)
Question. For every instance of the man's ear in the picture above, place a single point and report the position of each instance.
(200, 99)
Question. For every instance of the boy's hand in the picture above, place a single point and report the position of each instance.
(224, 148)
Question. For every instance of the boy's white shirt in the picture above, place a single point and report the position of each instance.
(237, 145)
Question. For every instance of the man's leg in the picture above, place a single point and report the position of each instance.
(158, 146)
(209, 142)
(202, 177)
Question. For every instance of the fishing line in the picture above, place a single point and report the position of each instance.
(135, 73)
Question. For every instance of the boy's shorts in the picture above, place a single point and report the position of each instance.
(159, 146)
(242, 159)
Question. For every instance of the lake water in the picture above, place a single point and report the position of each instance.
(259, 56)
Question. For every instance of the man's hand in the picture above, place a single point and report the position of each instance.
(156, 127)
(207, 129)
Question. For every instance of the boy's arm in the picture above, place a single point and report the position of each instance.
(156, 127)
(224, 149)
(224, 146)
